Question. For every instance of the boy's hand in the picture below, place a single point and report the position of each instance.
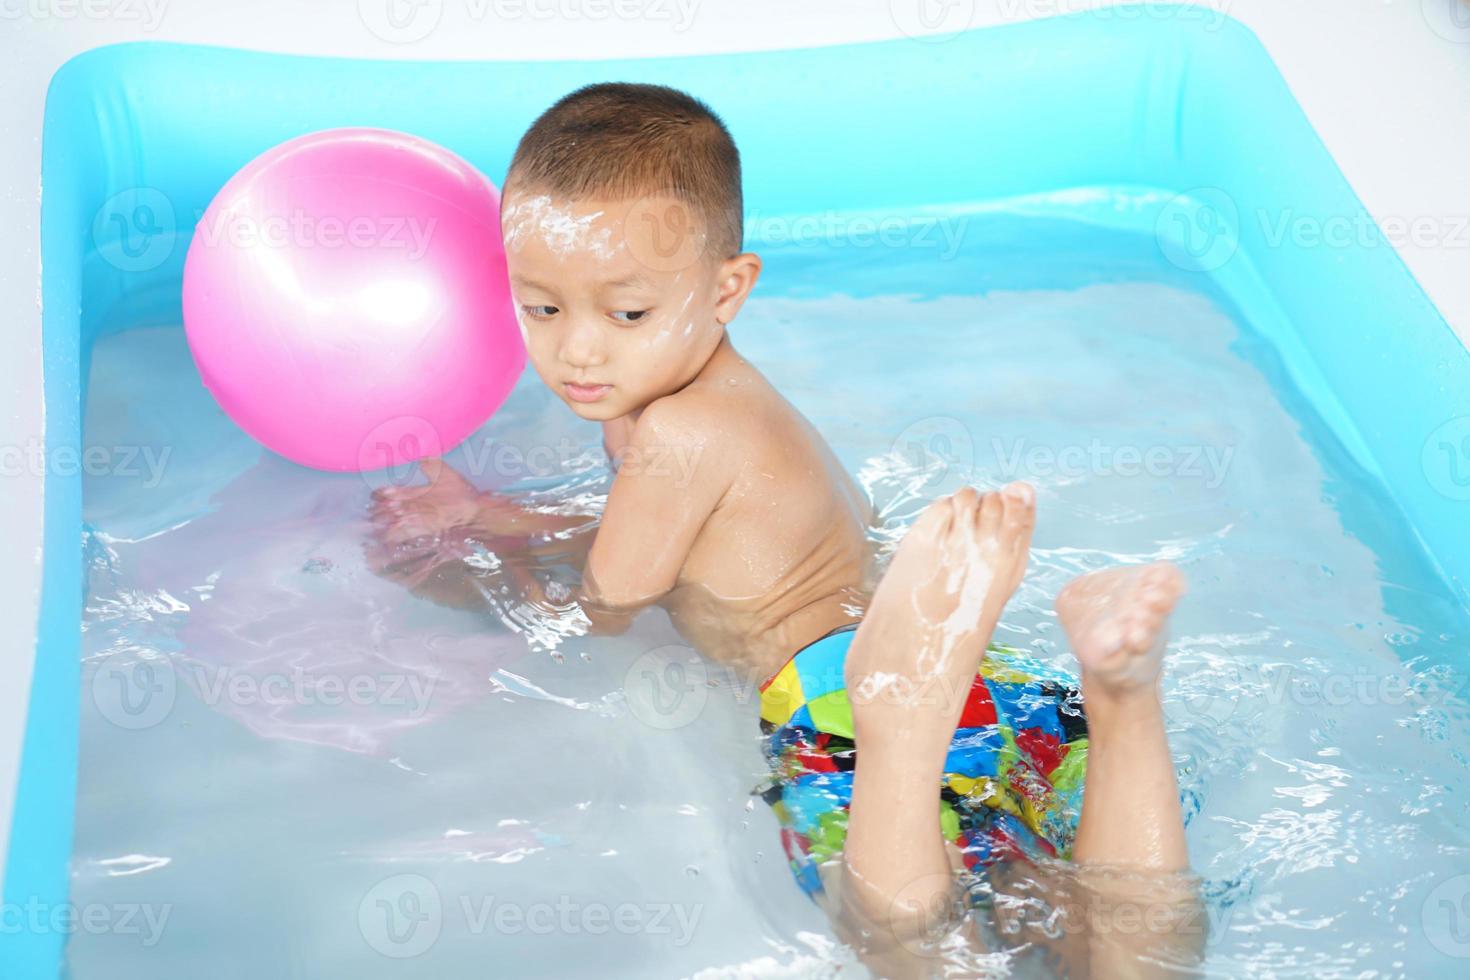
(403, 514)
(421, 535)
(448, 503)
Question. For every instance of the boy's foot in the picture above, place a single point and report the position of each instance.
(1115, 620)
(915, 655)
(908, 672)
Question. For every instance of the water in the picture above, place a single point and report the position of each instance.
(291, 767)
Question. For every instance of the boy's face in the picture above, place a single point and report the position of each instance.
(617, 302)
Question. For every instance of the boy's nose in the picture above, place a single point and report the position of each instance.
(582, 347)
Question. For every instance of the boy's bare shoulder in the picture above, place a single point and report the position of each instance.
(707, 416)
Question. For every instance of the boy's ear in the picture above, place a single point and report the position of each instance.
(737, 276)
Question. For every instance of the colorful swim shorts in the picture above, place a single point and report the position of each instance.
(1012, 782)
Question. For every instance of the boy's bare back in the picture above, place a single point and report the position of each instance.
(779, 558)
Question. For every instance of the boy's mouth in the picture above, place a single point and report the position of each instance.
(586, 393)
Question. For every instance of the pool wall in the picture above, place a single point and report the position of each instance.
(1187, 114)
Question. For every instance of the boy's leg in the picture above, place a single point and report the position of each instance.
(1130, 843)
(1130, 814)
(908, 672)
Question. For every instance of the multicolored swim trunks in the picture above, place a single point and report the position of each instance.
(1012, 782)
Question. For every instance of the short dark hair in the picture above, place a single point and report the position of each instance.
(627, 140)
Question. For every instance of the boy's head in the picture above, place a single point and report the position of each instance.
(622, 216)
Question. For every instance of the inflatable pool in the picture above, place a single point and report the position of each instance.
(1178, 131)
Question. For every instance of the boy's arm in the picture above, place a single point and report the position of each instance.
(656, 508)
(423, 534)
(654, 512)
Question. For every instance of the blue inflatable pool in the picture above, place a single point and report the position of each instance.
(1176, 128)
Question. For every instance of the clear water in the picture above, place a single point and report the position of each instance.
(292, 768)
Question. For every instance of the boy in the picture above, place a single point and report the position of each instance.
(622, 216)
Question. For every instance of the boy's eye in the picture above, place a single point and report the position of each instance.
(633, 316)
(540, 312)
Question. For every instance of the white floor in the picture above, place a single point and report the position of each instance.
(1385, 82)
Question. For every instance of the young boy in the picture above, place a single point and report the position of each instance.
(622, 216)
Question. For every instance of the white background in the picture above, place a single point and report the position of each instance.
(1385, 82)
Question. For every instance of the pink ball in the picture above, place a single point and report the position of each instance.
(346, 300)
